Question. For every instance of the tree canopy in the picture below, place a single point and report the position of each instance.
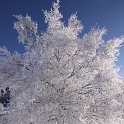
(62, 78)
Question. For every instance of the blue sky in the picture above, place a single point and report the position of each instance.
(106, 13)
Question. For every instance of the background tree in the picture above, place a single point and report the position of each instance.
(62, 78)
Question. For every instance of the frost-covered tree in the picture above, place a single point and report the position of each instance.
(62, 78)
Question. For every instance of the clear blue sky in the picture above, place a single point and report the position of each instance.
(108, 13)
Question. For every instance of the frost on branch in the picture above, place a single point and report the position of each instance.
(74, 26)
(26, 28)
(62, 78)
(56, 27)
(92, 41)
